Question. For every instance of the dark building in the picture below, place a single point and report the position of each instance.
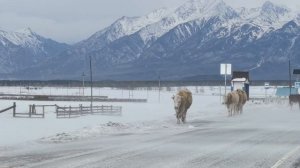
(296, 72)
(240, 80)
(240, 74)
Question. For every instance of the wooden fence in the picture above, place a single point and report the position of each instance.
(11, 107)
(68, 98)
(268, 100)
(71, 112)
(35, 111)
(38, 111)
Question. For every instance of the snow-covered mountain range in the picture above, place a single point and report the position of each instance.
(25, 49)
(190, 40)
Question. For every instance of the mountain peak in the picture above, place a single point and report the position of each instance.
(157, 14)
(188, 11)
(26, 31)
(269, 8)
(23, 37)
(199, 5)
(268, 4)
(204, 2)
(194, 9)
(268, 15)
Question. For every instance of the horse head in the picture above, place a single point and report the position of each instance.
(177, 102)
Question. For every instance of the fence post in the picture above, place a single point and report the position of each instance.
(56, 111)
(33, 110)
(69, 111)
(29, 111)
(80, 108)
(43, 111)
(91, 108)
(14, 110)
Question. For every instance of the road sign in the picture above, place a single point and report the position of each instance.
(225, 69)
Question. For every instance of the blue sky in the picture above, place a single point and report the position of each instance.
(74, 20)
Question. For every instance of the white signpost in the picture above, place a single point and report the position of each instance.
(225, 69)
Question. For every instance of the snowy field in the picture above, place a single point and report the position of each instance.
(157, 112)
(146, 134)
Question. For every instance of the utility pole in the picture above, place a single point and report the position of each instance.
(91, 75)
(225, 79)
(83, 75)
(159, 88)
(290, 76)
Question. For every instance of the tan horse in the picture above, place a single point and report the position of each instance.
(231, 100)
(182, 102)
(242, 100)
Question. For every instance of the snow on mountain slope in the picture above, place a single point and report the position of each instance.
(268, 16)
(154, 25)
(24, 38)
(191, 10)
(24, 48)
(126, 26)
(129, 25)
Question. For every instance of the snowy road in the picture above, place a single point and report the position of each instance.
(264, 136)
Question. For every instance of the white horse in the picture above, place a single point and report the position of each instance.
(182, 102)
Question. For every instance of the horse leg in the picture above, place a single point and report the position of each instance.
(184, 116)
(291, 105)
(242, 108)
(178, 117)
(234, 110)
(230, 111)
(238, 110)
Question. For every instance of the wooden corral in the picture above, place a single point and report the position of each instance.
(9, 108)
(71, 112)
(35, 111)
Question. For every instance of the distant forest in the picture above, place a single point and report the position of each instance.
(128, 84)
